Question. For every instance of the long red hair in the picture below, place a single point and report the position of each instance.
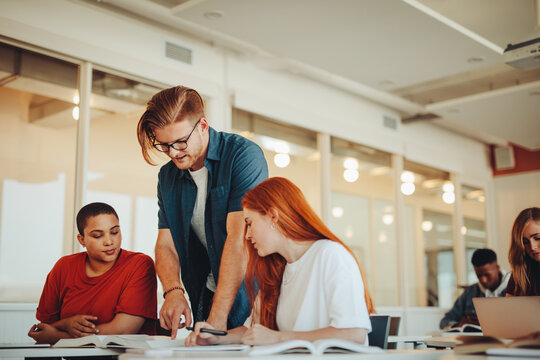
(296, 221)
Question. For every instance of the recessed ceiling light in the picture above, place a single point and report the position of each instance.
(475, 59)
(214, 14)
(386, 82)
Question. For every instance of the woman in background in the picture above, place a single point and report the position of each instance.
(524, 255)
(302, 281)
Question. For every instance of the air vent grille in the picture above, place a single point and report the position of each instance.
(177, 52)
(390, 122)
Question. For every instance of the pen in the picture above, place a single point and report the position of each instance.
(210, 331)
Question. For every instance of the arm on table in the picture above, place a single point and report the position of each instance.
(454, 315)
(231, 271)
(168, 270)
(196, 337)
(44, 333)
(261, 335)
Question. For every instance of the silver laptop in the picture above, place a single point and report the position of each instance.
(508, 317)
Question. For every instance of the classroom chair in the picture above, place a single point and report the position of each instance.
(380, 327)
(395, 321)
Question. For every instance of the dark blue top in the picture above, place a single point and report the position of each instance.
(235, 165)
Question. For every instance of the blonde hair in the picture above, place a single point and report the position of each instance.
(524, 268)
(167, 107)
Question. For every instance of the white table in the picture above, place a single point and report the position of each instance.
(388, 355)
(416, 340)
(57, 352)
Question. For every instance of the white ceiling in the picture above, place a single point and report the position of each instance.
(440, 56)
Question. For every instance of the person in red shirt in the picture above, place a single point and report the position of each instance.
(104, 290)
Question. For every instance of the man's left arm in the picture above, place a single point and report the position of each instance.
(231, 271)
(248, 170)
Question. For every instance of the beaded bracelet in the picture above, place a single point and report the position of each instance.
(174, 288)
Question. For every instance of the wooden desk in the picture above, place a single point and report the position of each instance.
(442, 341)
(57, 352)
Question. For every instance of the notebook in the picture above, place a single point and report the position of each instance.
(508, 317)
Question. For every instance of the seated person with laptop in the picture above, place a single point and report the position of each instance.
(492, 281)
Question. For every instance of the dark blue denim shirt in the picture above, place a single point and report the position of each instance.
(235, 165)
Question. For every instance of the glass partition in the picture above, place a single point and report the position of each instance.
(429, 198)
(291, 152)
(362, 213)
(38, 136)
(474, 225)
(117, 172)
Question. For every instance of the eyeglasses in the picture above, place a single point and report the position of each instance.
(177, 145)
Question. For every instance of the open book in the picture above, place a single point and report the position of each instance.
(466, 328)
(480, 344)
(136, 341)
(316, 347)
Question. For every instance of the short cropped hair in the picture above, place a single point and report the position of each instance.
(482, 257)
(90, 210)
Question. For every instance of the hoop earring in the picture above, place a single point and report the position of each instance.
(273, 226)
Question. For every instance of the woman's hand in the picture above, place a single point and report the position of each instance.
(196, 337)
(44, 333)
(261, 335)
(79, 325)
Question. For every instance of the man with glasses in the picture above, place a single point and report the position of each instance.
(201, 223)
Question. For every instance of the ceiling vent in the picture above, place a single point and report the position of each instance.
(178, 53)
(525, 55)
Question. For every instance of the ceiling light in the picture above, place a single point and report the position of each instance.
(282, 147)
(350, 163)
(388, 219)
(214, 14)
(427, 225)
(386, 83)
(349, 233)
(75, 113)
(407, 188)
(407, 176)
(463, 230)
(383, 237)
(475, 59)
(76, 99)
(337, 211)
(282, 160)
(350, 175)
(449, 197)
(448, 187)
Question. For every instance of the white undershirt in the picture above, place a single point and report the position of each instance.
(197, 221)
(323, 288)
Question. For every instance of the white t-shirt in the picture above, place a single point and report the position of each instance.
(323, 288)
(197, 221)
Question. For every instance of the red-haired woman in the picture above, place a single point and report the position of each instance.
(302, 281)
(524, 255)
